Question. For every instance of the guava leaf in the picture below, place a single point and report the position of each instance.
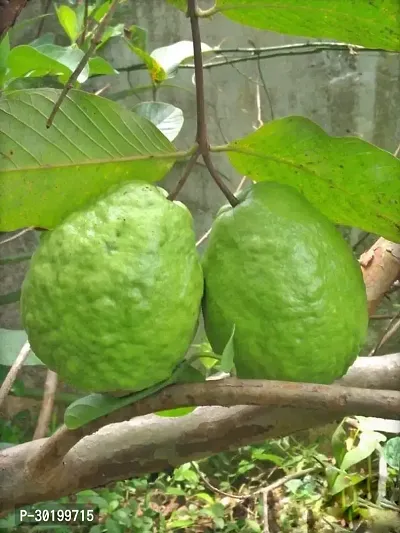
(68, 20)
(92, 138)
(11, 342)
(349, 180)
(227, 361)
(95, 405)
(137, 36)
(171, 56)
(166, 117)
(99, 66)
(370, 23)
(155, 70)
(391, 452)
(45, 60)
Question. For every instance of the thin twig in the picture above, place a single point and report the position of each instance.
(41, 24)
(101, 91)
(279, 482)
(82, 37)
(264, 85)
(50, 388)
(397, 151)
(391, 328)
(264, 497)
(281, 50)
(218, 180)
(382, 317)
(207, 233)
(214, 489)
(82, 63)
(389, 334)
(201, 135)
(16, 236)
(361, 240)
(13, 372)
(189, 167)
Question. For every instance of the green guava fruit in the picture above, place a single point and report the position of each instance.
(280, 272)
(112, 296)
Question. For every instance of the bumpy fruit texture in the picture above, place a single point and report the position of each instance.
(112, 296)
(281, 272)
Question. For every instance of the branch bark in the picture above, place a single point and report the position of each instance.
(151, 443)
(9, 12)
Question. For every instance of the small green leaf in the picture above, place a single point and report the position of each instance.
(370, 23)
(227, 361)
(91, 136)
(99, 66)
(166, 117)
(155, 70)
(11, 342)
(67, 18)
(137, 36)
(111, 31)
(345, 480)
(339, 443)
(45, 60)
(349, 180)
(391, 452)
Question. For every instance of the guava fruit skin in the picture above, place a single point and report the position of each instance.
(112, 296)
(281, 272)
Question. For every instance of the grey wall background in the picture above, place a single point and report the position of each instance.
(345, 94)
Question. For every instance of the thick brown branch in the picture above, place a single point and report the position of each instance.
(150, 443)
(9, 12)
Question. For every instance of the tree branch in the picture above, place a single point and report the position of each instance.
(9, 12)
(151, 443)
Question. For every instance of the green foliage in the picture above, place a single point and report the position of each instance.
(349, 180)
(373, 24)
(91, 137)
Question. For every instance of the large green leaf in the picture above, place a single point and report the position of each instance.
(93, 143)
(351, 181)
(370, 23)
(45, 59)
(11, 342)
